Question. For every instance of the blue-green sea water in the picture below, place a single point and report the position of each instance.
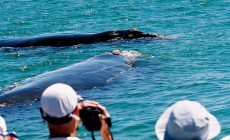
(196, 66)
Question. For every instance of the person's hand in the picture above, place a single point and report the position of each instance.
(105, 131)
(87, 103)
(105, 112)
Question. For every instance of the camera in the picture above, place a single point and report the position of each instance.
(90, 119)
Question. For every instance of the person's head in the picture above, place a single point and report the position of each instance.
(187, 120)
(4, 135)
(59, 107)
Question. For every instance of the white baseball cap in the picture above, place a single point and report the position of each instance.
(187, 120)
(3, 128)
(59, 100)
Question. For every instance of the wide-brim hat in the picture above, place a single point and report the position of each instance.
(3, 128)
(165, 121)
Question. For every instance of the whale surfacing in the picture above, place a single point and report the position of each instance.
(94, 72)
(76, 39)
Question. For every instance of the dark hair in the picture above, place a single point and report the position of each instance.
(54, 120)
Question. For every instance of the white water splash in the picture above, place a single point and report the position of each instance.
(130, 56)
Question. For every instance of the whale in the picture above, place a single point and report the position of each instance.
(59, 40)
(91, 73)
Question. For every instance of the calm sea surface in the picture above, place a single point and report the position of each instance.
(196, 66)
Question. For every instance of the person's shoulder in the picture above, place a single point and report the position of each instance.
(65, 138)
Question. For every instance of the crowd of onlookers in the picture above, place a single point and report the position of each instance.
(60, 107)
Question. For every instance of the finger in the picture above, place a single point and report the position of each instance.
(85, 104)
(102, 119)
(101, 116)
(105, 112)
(90, 102)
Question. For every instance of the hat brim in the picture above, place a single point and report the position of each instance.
(214, 126)
(160, 127)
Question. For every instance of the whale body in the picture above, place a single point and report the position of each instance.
(76, 39)
(94, 72)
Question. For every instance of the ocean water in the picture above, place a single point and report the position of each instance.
(195, 66)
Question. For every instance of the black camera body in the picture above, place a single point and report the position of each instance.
(90, 119)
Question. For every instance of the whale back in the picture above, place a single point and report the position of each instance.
(92, 73)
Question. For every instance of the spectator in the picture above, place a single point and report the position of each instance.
(4, 135)
(187, 120)
(60, 108)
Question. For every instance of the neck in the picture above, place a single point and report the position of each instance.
(58, 136)
(64, 130)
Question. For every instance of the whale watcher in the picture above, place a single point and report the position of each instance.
(4, 135)
(62, 112)
(187, 120)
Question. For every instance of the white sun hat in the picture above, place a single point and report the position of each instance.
(226, 138)
(3, 128)
(187, 120)
(59, 100)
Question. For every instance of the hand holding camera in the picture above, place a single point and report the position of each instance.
(90, 119)
(89, 114)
